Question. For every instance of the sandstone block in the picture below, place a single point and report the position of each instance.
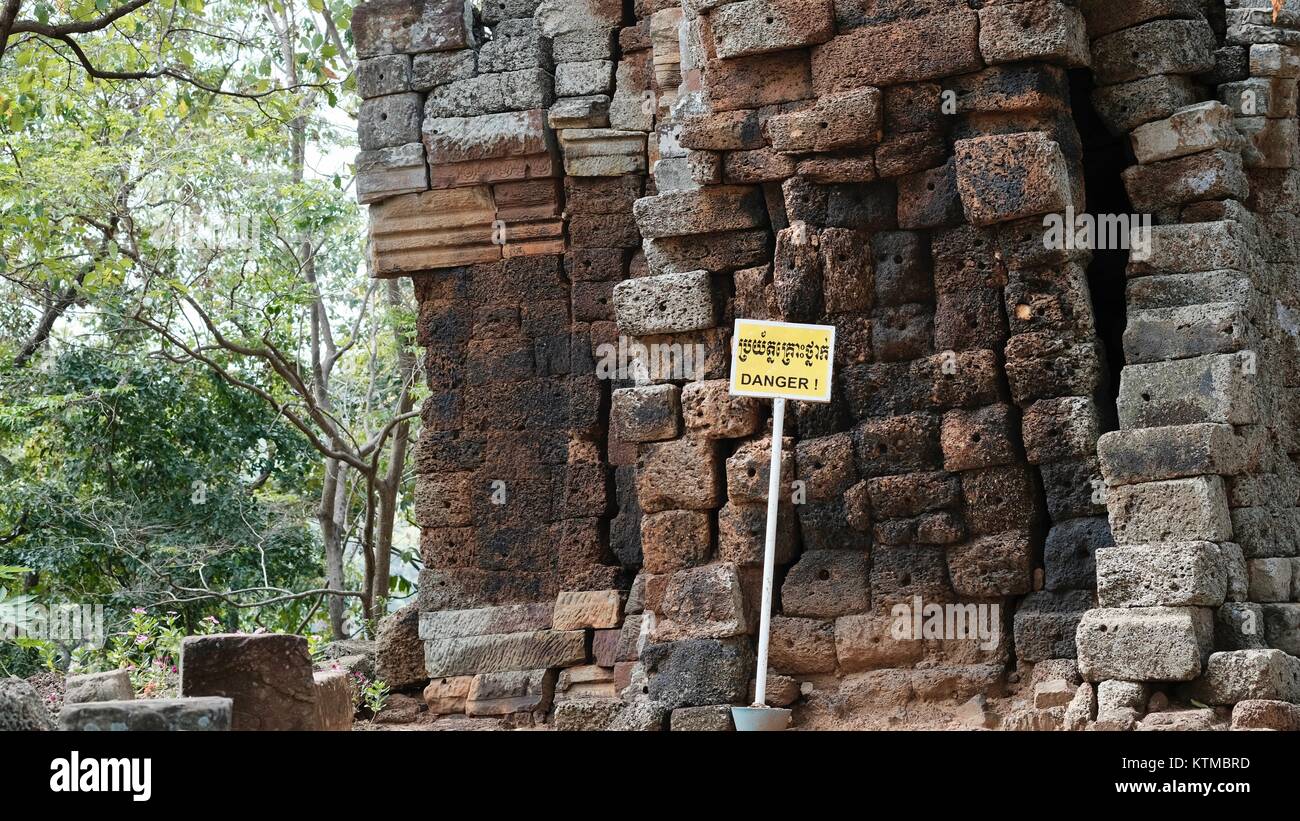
(576, 610)
(1188, 130)
(1145, 644)
(268, 678)
(514, 691)
(705, 211)
(389, 172)
(1214, 388)
(1241, 675)
(1125, 106)
(759, 26)
(1173, 510)
(666, 303)
(201, 714)
(1036, 30)
(1175, 574)
(114, 685)
(387, 122)
(497, 653)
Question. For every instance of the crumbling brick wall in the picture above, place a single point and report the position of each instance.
(588, 194)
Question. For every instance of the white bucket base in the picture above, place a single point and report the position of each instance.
(761, 719)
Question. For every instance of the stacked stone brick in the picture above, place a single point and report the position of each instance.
(1201, 486)
(570, 181)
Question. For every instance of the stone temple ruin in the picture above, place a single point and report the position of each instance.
(1058, 241)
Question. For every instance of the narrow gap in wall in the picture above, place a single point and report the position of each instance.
(1105, 156)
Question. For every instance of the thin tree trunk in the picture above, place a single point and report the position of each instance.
(389, 488)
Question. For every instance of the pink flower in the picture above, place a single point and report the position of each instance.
(138, 611)
(141, 638)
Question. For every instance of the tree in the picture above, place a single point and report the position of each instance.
(248, 270)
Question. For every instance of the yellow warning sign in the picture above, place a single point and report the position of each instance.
(782, 359)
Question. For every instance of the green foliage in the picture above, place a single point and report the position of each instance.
(131, 473)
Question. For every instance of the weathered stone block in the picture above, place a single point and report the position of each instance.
(675, 539)
(1209, 175)
(992, 566)
(1125, 106)
(1190, 130)
(802, 646)
(1046, 622)
(404, 27)
(205, 714)
(1214, 388)
(713, 413)
(646, 414)
(1159, 47)
(683, 474)
(1239, 675)
(759, 26)
(497, 653)
(1036, 30)
(1270, 580)
(936, 45)
(704, 211)
(114, 685)
(977, 439)
(714, 718)
(1172, 452)
(1178, 574)
(1069, 554)
(1174, 510)
(446, 696)
(667, 303)
(387, 122)
(268, 678)
(1145, 644)
(834, 122)
(389, 172)
(867, 642)
(1007, 176)
(1062, 428)
(824, 584)
(699, 672)
(575, 610)
(742, 530)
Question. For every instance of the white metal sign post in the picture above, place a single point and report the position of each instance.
(776, 360)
